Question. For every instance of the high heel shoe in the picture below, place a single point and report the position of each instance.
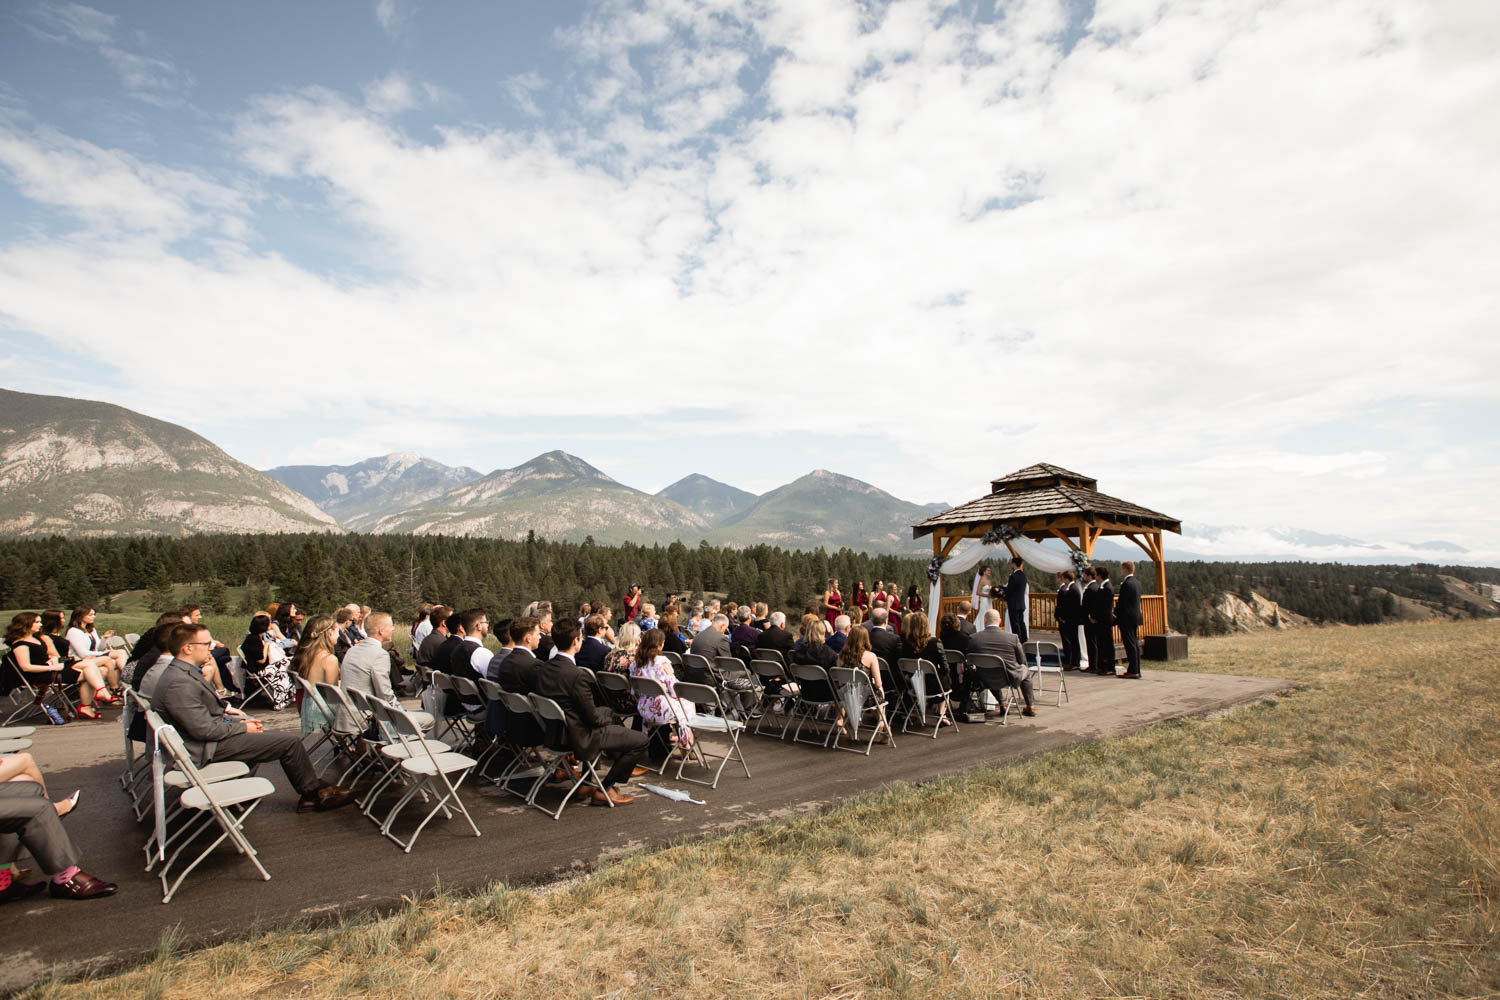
(103, 697)
(71, 802)
(85, 712)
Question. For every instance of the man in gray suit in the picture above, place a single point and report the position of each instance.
(713, 641)
(213, 732)
(995, 641)
(27, 814)
(366, 669)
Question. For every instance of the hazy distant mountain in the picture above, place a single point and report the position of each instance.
(708, 498)
(78, 467)
(359, 495)
(1242, 544)
(827, 509)
(558, 496)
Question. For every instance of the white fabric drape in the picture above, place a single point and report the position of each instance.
(971, 552)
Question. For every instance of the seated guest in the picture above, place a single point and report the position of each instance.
(885, 643)
(713, 641)
(607, 633)
(367, 666)
(217, 671)
(666, 715)
(84, 640)
(743, 632)
(288, 622)
(267, 661)
(648, 620)
(149, 648)
(516, 671)
(316, 663)
(275, 630)
(762, 619)
(213, 732)
(435, 637)
(858, 654)
(813, 650)
(951, 633)
(994, 640)
(544, 622)
(343, 620)
(453, 641)
(471, 658)
(356, 627)
(672, 640)
(775, 636)
(26, 814)
(594, 649)
(591, 729)
(841, 626)
(421, 627)
(95, 676)
(30, 659)
(626, 643)
(918, 642)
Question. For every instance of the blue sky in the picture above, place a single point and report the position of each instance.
(1235, 260)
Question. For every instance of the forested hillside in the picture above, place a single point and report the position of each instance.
(397, 571)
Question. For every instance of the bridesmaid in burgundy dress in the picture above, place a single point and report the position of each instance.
(833, 601)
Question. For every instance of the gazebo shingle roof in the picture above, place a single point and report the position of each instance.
(1046, 491)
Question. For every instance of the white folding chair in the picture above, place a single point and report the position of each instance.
(131, 638)
(442, 773)
(324, 733)
(15, 745)
(1046, 658)
(719, 722)
(225, 803)
(245, 680)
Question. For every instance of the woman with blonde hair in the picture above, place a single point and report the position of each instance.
(315, 662)
(627, 641)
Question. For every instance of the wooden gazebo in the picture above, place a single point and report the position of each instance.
(1043, 501)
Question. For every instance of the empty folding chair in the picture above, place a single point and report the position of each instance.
(695, 669)
(469, 719)
(774, 655)
(523, 735)
(16, 732)
(456, 721)
(674, 658)
(161, 780)
(386, 751)
(719, 722)
(815, 697)
(131, 638)
(430, 775)
(996, 678)
(927, 689)
(14, 745)
(550, 717)
(858, 696)
(226, 804)
(1045, 658)
(350, 723)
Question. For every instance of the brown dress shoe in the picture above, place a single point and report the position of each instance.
(604, 798)
(1029, 712)
(638, 771)
(324, 799)
(81, 886)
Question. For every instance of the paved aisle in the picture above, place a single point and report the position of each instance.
(333, 861)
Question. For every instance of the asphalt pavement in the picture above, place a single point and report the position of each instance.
(324, 863)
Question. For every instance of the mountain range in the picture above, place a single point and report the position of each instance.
(78, 467)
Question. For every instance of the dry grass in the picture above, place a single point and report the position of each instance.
(1343, 842)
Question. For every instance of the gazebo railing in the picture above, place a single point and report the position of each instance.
(1044, 606)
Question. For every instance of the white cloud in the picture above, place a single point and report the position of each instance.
(396, 92)
(146, 77)
(393, 15)
(1157, 259)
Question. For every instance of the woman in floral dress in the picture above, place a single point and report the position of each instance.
(657, 710)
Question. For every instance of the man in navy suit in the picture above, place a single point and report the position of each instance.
(591, 654)
(1016, 597)
(1128, 617)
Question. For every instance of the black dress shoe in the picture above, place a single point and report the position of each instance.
(1132, 677)
(325, 799)
(81, 886)
(20, 890)
(1029, 712)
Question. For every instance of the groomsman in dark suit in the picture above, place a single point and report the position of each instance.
(1102, 624)
(1128, 617)
(1090, 586)
(1069, 614)
(1016, 598)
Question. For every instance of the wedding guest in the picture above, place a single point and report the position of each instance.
(918, 642)
(841, 626)
(1128, 618)
(435, 638)
(266, 660)
(421, 627)
(743, 632)
(1102, 615)
(84, 640)
(57, 645)
(316, 663)
(627, 641)
(672, 641)
(29, 655)
(666, 717)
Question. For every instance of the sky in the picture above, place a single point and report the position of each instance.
(1237, 260)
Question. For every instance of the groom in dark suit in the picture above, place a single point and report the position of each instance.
(1128, 617)
(1016, 597)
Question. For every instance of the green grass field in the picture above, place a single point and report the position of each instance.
(1341, 842)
